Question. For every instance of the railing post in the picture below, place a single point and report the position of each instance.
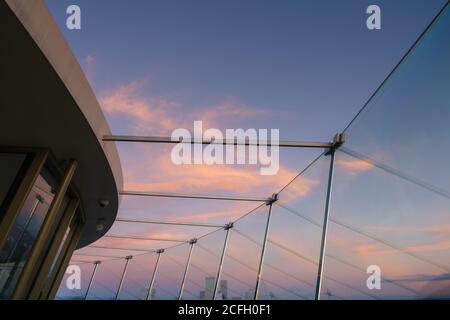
(338, 141)
(263, 251)
(159, 251)
(96, 263)
(128, 258)
(192, 242)
(227, 228)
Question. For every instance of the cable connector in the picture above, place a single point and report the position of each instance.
(338, 141)
(128, 257)
(159, 251)
(193, 241)
(272, 199)
(228, 226)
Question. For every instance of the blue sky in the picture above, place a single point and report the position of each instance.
(304, 67)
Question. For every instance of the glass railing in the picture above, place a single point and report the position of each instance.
(388, 222)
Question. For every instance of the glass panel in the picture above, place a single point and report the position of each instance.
(381, 219)
(137, 279)
(169, 277)
(392, 187)
(10, 165)
(21, 238)
(67, 291)
(405, 125)
(293, 248)
(106, 280)
(205, 261)
(243, 255)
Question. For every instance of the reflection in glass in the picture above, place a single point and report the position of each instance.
(20, 241)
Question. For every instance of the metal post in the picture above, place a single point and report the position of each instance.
(96, 263)
(263, 252)
(338, 141)
(159, 251)
(192, 243)
(128, 258)
(225, 243)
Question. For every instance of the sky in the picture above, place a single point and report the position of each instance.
(303, 67)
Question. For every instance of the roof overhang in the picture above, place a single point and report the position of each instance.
(46, 101)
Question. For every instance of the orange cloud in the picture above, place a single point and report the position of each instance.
(162, 116)
(144, 112)
(354, 166)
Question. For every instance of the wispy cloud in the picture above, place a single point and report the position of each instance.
(354, 166)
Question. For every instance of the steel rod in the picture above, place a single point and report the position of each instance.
(282, 143)
(144, 238)
(263, 253)
(175, 223)
(96, 255)
(192, 243)
(117, 248)
(189, 196)
(123, 276)
(150, 288)
(96, 263)
(325, 227)
(222, 258)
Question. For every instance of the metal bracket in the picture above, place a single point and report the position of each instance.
(193, 241)
(128, 257)
(228, 226)
(272, 199)
(97, 262)
(338, 141)
(160, 251)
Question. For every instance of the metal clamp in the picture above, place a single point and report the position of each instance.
(228, 226)
(272, 199)
(193, 241)
(160, 251)
(338, 141)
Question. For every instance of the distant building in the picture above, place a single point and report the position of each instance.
(210, 283)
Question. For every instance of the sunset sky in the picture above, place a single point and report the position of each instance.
(303, 67)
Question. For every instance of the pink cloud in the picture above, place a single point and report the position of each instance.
(354, 166)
